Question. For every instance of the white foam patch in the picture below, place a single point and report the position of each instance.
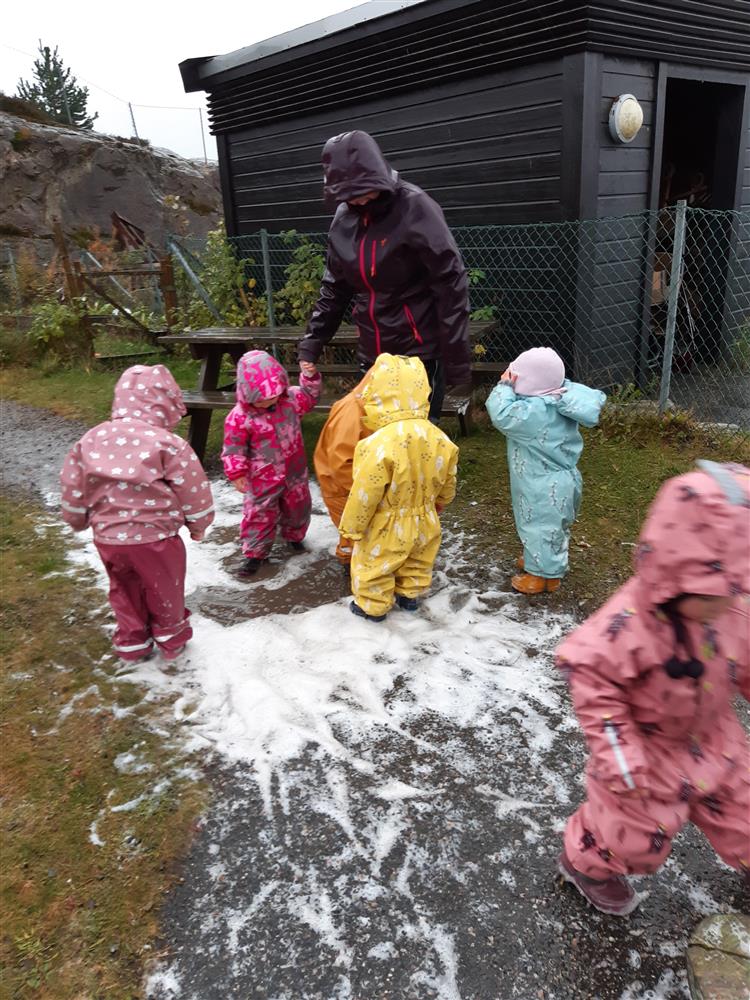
(261, 692)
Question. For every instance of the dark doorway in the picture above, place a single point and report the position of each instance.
(700, 155)
(702, 134)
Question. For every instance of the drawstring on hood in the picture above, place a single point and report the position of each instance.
(398, 389)
(259, 377)
(148, 393)
(353, 165)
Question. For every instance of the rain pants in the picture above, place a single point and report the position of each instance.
(674, 743)
(334, 457)
(544, 445)
(265, 447)
(401, 472)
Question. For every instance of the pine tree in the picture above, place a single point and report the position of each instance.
(56, 91)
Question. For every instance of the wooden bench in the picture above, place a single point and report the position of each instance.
(197, 400)
(212, 344)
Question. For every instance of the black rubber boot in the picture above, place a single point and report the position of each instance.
(250, 567)
(407, 603)
(356, 610)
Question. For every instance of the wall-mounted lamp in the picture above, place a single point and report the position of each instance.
(625, 118)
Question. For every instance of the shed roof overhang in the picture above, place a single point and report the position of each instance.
(375, 49)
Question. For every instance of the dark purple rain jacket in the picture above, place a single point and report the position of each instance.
(399, 261)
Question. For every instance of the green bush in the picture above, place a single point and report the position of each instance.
(58, 333)
(223, 275)
(295, 301)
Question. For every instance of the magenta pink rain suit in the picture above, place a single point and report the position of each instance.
(265, 447)
(674, 739)
(135, 483)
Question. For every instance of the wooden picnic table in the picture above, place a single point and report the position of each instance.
(209, 347)
(211, 344)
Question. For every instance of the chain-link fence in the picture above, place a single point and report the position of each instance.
(658, 303)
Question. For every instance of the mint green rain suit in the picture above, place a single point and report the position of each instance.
(544, 445)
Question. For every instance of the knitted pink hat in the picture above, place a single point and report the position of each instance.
(540, 372)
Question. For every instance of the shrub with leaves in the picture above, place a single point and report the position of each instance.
(223, 275)
(296, 299)
(58, 332)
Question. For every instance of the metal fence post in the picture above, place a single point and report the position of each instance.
(269, 284)
(675, 282)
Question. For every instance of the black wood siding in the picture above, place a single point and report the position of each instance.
(489, 151)
(613, 249)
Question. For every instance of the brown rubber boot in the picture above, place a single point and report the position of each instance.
(615, 895)
(527, 583)
(520, 563)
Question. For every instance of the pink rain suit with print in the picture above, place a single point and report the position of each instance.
(265, 447)
(135, 483)
(674, 743)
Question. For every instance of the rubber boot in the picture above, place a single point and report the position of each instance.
(407, 603)
(250, 567)
(527, 583)
(356, 610)
(614, 895)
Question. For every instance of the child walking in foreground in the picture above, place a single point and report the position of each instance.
(264, 454)
(653, 675)
(135, 483)
(404, 475)
(334, 458)
(539, 413)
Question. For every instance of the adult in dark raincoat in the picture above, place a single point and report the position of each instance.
(390, 249)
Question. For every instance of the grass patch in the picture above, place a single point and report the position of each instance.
(78, 918)
(624, 463)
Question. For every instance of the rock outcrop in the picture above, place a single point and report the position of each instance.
(48, 172)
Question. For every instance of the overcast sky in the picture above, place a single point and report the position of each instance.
(132, 50)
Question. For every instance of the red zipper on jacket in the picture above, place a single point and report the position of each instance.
(368, 286)
(413, 324)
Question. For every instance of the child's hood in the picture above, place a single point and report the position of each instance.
(581, 404)
(148, 393)
(696, 538)
(398, 389)
(259, 377)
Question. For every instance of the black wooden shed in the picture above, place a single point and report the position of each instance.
(499, 109)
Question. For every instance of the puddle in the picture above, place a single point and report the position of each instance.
(287, 584)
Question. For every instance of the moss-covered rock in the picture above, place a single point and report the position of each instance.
(718, 958)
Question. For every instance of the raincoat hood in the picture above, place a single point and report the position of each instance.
(259, 377)
(148, 393)
(696, 539)
(353, 165)
(398, 389)
(539, 372)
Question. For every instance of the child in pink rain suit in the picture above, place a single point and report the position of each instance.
(264, 454)
(652, 676)
(135, 483)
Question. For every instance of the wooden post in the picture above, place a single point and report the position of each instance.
(73, 286)
(86, 323)
(168, 290)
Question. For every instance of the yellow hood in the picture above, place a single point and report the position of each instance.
(398, 390)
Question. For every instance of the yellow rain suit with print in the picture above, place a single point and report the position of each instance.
(401, 472)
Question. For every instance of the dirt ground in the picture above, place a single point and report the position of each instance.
(404, 845)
